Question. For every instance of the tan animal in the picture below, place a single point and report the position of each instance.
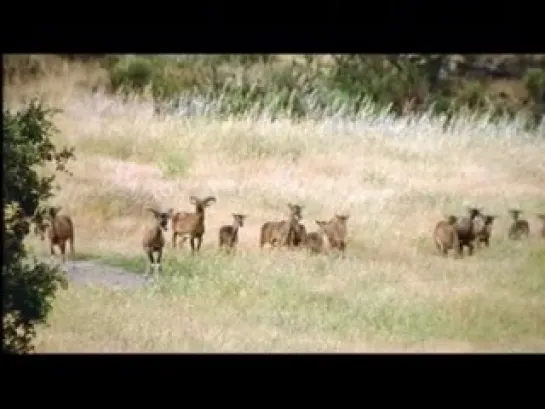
(154, 240)
(484, 230)
(191, 225)
(335, 230)
(465, 228)
(541, 216)
(519, 227)
(284, 232)
(314, 241)
(60, 229)
(445, 236)
(228, 234)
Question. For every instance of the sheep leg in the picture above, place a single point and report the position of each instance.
(174, 236)
(158, 259)
(52, 250)
(72, 251)
(199, 242)
(470, 248)
(62, 246)
(342, 247)
(460, 249)
(150, 264)
(192, 242)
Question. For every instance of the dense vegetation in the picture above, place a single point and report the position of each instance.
(28, 285)
(317, 85)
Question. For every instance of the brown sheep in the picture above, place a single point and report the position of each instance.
(541, 216)
(314, 241)
(154, 240)
(484, 230)
(60, 230)
(465, 229)
(299, 235)
(283, 233)
(445, 236)
(519, 227)
(228, 234)
(191, 225)
(335, 230)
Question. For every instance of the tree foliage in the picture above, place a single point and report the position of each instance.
(28, 285)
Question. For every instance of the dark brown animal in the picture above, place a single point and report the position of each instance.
(299, 235)
(484, 231)
(314, 241)
(191, 225)
(284, 232)
(336, 232)
(445, 236)
(60, 229)
(519, 227)
(541, 216)
(154, 240)
(228, 234)
(465, 230)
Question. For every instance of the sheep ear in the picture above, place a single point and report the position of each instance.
(54, 210)
(209, 200)
(151, 209)
(193, 200)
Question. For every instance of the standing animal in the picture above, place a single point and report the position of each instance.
(335, 230)
(284, 232)
(191, 225)
(445, 236)
(299, 235)
(60, 229)
(541, 216)
(484, 230)
(465, 230)
(519, 227)
(228, 234)
(314, 241)
(154, 240)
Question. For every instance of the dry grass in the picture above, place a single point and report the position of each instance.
(392, 292)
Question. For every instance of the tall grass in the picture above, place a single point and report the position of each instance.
(395, 176)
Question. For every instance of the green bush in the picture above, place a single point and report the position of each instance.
(311, 86)
(28, 286)
(535, 83)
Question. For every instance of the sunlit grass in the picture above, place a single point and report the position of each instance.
(396, 179)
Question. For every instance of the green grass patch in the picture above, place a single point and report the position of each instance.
(283, 290)
(176, 163)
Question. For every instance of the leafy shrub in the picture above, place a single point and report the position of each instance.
(28, 286)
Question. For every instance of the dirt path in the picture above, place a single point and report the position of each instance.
(94, 273)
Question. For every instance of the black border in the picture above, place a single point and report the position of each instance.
(393, 375)
(352, 31)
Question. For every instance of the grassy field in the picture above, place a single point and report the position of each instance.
(392, 292)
